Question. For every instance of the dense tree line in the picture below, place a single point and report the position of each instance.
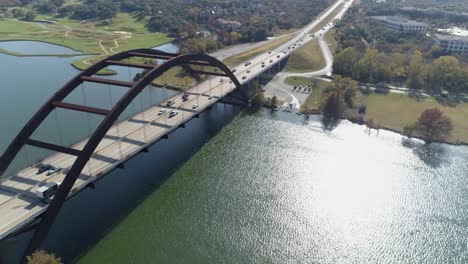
(370, 53)
(413, 70)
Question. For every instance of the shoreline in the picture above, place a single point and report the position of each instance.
(355, 121)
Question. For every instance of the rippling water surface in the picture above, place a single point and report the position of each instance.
(271, 188)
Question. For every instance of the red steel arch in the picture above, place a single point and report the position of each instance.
(56, 101)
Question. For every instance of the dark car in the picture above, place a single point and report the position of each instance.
(41, 168)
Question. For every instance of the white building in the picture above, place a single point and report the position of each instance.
(451, 43)
(229, 24)
(400, 24)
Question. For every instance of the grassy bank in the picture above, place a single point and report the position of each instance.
(306, 59)
(7, 52)
(126, 32)
(241, 57)
(331, 40)
(394, 111)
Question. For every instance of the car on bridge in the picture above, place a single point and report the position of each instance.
(162, 111)
(53, 170)
(173, 113)
(195, 106)
(41, 168)
(244, 77)
(170, 102)
(185, 97)
(248, 71)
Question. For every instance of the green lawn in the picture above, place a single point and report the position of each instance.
(281, 32)
(306, 59)
(331, 40)
(241, 57)
(126, 30)
(394, 111)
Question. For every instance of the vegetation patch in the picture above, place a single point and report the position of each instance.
(307, 58)
(330, 38)
(241, 57)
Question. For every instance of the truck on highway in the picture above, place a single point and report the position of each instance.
(47, 190)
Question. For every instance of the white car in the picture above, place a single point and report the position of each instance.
(173, 113)
(162, 111)
(195, 106)
(53, 170)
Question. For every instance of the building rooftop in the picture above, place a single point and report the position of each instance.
(399, 20)
(451, 37)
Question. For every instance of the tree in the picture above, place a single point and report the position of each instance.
(443, 71)
(337, 95)
(434, 125)
(344, 62)
(409, 129)
(416, 71)
(259, 99)
(30, 16)
(42, 257)
(274, 101)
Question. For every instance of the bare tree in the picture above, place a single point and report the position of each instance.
(434, 125)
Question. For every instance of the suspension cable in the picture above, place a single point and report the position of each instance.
(117, 127)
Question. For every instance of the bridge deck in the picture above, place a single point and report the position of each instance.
(18, 202)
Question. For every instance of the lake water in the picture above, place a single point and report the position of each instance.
(247, 186)
(272, 188)
(35, 48)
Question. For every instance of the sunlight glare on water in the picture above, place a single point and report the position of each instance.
(270, 188)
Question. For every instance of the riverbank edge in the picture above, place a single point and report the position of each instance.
(81, 54)
(359, 122)
(17, 54)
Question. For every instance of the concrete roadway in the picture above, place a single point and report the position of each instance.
(18, 203)
(284, 92)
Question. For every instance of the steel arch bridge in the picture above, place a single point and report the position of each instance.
(152, 71)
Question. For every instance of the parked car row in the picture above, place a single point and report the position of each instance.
(301, 88)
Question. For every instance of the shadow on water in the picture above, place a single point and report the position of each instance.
(329, 123)
(431, 154)
(89, 216)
